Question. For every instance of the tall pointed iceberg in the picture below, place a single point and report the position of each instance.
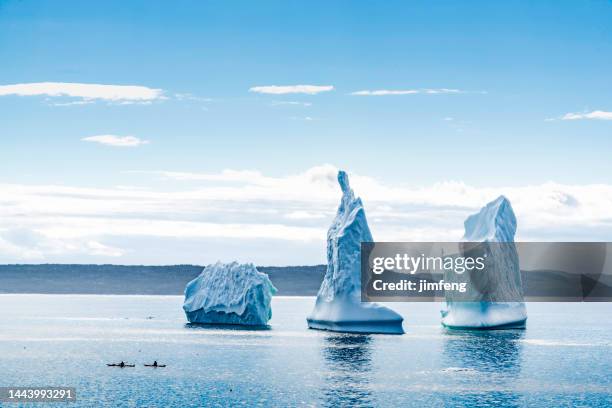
(230, 293)
(494, 299)
(338, 306)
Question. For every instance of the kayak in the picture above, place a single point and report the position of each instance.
(119, 365)
(151, 365)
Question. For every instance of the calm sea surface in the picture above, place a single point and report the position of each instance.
(563, 358)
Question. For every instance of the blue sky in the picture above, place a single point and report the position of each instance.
(493, 96)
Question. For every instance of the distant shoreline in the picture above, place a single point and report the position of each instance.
(170, 280)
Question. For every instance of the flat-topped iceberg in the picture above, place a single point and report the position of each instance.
(338, 306)
(230, 293)
(494, 299)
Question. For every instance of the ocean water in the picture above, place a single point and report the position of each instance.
(563, 358)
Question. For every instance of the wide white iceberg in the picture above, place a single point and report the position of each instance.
(338, 306)
(494, 299)
(229, 294)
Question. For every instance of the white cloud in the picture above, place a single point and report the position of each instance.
(598, 114)
(303, 215)
(276, 218)
(96, 248)
(116, 141)
(25, 244)
(292, 89)
(248, 176)
(386, 92)
(73, 103)
(85, 92)
(292, 103)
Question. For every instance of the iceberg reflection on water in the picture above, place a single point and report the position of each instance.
(496, 354)
(348, 362)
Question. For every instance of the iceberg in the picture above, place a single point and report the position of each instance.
(230, 293)
(338, 306)
(494, 299)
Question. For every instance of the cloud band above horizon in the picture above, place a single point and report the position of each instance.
(258, 213)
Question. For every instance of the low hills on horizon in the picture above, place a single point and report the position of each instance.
(108, 279)
(139, 279)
